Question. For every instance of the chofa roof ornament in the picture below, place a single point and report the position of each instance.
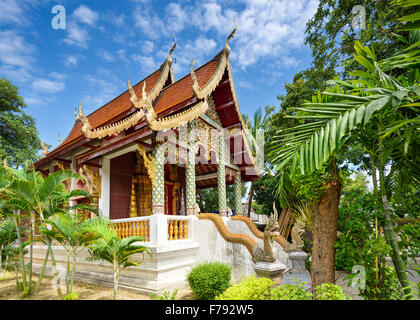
(210, 86)
(230, 36)
(143, 104)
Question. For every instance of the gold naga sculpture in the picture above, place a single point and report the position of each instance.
(297, 242)
(44, 147)
(267, 253)
(92, 181)
(149, 162)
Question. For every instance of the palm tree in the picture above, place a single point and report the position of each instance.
(384, 107)
(70, 231)
(58, 204)
(8, 236)
(29, 191)
(109, 247)
(254, 132)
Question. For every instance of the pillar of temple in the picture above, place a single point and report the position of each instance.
(221, 178)
(238, 194)
(158, 189)
(190, 170)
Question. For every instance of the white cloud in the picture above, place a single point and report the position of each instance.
(146, 63)
(105, 55)
(149, 23)
(85, 15)
(11, 12)
(290, 61)
(176, 17)
(76, 35)
(266, 28)
(147, 46)
(103, 86)
(50, 86)
(15, 51)
(71, 60)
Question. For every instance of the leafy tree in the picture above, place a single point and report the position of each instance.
(19, 140)
(70, 231)
(375, 102)
(109, 247)
(28, 191)
(331, 33)
(207, 199)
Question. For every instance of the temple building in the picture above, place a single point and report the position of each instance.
(144, 155)
(151, 148)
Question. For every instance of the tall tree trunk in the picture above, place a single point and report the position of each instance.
(390, 236)
(31, 251)
(325, 232)
(21, 255)
(54, 267)
(41, 275)
(251, 193)
(116, 275)
(73, 271)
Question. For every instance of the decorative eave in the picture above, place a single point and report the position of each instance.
(203, 92)
(176, 120)
(145, 103)
(210, 86)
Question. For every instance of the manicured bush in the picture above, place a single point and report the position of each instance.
(209, 279)
(250, 288)
(291, 292)
(329, 291)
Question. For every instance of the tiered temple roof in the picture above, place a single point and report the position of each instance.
(158, 99)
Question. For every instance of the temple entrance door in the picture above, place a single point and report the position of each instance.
(172, 198)
(169, 198)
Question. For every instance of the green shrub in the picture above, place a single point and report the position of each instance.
(291, 292)
(209, 279)
(167, 295)
(71, 296)
(329, 291)
(250, 288)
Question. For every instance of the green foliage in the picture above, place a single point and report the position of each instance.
(107, 246)
(415, 287)
(167, 295)
(356, 221)
(264, 195)
(329, 291)
(208, 279)
(250, 288)
(71, 296)
(207, 199)
(410, 240)
(380, 283)
(19, 141)
(331, 35)
(291, 292)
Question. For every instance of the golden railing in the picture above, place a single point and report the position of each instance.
(178, 227)
(133, 227)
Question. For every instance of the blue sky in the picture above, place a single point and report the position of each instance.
(105, 43)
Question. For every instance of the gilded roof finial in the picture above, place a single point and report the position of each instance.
(59, 139)
(172, 49)
(231, 35)
(45, 148)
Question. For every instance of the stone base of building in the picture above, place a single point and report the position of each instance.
(165, 270)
